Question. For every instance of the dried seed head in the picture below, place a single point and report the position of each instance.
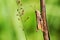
(18, 18)
(22, 13)
(22, 10)
(21, 4)
(17, 14)
(18, 1)
(17, 9)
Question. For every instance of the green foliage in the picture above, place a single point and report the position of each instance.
(10, 27)
(25, 29)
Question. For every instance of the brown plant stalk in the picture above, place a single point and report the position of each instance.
(45, 26)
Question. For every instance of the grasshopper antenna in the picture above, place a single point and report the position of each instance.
(34, 8)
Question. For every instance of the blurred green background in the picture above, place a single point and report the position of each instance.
(13, 29)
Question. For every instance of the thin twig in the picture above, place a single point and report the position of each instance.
(43, 14)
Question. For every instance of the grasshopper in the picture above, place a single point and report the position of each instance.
(39, 20)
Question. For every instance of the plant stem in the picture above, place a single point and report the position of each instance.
(43, 14)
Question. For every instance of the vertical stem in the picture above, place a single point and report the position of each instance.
(43, 14)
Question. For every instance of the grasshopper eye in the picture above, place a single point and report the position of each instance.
(35, 11)
(40, 19)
